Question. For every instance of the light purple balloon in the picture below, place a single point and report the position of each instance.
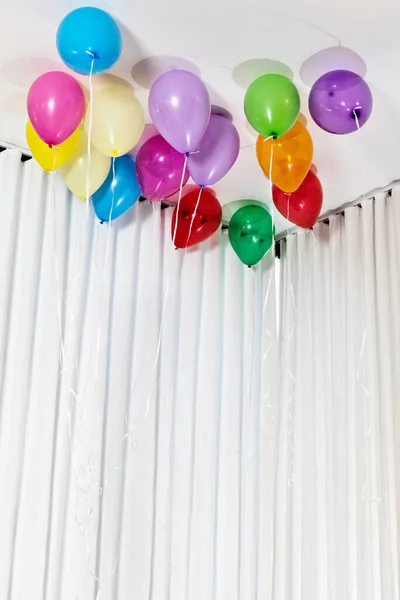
(217, 152)
(179, 105)
(159, 169)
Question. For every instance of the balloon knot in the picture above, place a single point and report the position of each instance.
(101, 222)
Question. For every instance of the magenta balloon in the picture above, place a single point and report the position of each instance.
(179, 105)
(56, 106)
(217, 152)
(159, 169)
(340, 102)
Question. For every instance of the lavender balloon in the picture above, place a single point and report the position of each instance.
(217, 152)
(179, 105)
(340, 102)
(159, 169)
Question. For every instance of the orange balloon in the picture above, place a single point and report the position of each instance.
(289, 157)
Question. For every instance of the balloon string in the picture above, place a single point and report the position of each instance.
(364, 387)
(356, 116)
(271, 164)
(188, 238)
(193, 217)
(180, 198)
(271, 137)
(271, 184)
(110, 215)
(89, 144)
(56, 269)
(284, 15)
(166, 295)
(54, 161)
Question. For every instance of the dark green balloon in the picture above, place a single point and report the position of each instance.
(272, 105)
(251, 233)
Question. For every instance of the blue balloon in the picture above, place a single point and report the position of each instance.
(119, 192)
(89, 33)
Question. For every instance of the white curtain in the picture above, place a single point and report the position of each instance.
(338, 474)
(157, 439)
(138, 412)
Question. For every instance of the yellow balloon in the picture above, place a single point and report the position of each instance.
(118, 120)
(50, 158)
(79, 170)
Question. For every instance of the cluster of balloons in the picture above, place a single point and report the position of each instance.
(91, 143)
(191, 142)
(87, 143)
(284, 148)
(340, 102)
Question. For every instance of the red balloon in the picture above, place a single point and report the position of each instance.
(191, 225)
(303, 206)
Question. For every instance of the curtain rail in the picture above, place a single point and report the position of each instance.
(341, 209)
(27, 155)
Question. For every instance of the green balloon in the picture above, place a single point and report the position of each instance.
(251, 233)
(272, 105)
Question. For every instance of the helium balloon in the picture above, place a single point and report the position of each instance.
(217, 152)
(56, 106)
(89, 40)
(340, 102)
(272, 105)
(117, 122)
(196, 218)
(251, 233)
(80, 170)
(119, 192)
(50, 158)
(229, 209)
(179, 105)
(160, 169)
(303, 206)
(287, 160)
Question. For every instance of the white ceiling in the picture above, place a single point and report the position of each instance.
(216, 37)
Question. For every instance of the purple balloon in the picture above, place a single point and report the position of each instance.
(338, 100)
(159, 169)
(217, 152)
(179, 105)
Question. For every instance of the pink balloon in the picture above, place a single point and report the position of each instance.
(217, 153)
(159, 169)
(56, 106)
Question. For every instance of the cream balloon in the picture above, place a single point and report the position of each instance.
(81, 170)
(117, 123)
